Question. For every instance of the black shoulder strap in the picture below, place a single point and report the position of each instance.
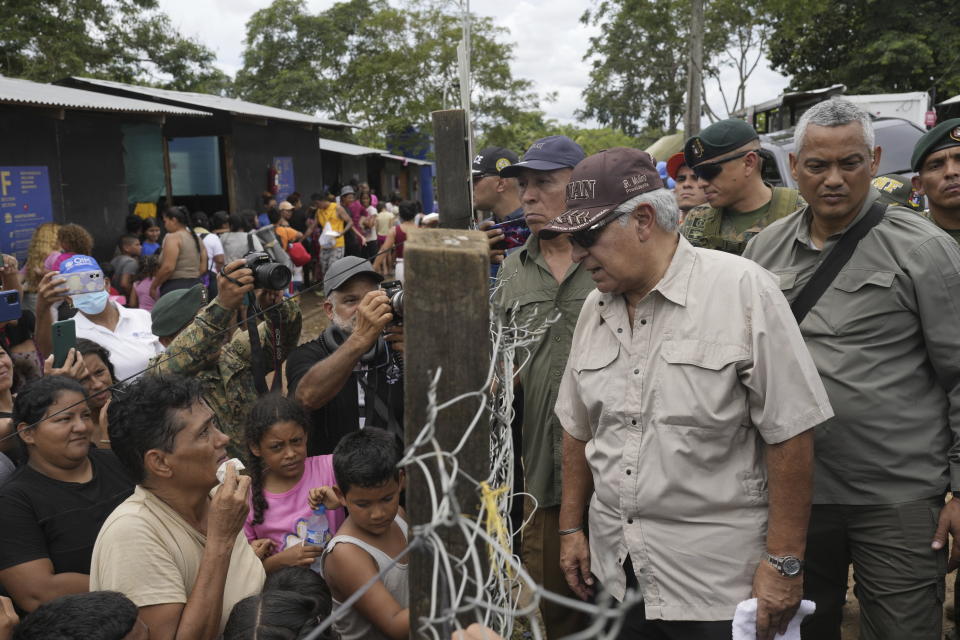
(249, 242)
(827, 272)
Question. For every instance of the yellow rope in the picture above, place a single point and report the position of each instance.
(495, 524)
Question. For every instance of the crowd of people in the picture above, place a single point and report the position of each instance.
(737, 391)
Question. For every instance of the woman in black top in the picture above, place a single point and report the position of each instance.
(6, 414)
(53, 506)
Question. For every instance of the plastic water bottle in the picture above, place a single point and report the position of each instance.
(318, 531)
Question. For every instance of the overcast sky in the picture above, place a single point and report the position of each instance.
(546, 39)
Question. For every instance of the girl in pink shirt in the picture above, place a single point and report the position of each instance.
(284, 480)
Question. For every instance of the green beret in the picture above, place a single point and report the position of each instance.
(717, 139)
(944, 135)
(895, 189)
(175, 310)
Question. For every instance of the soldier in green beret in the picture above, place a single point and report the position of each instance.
(937, 159)
(196, 340)
(726, 160)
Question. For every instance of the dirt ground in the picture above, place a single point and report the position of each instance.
(315, 321)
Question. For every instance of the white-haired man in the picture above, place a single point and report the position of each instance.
(347, 377)
(876, 291)
(687, 393)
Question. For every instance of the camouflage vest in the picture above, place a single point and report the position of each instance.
(702, 227)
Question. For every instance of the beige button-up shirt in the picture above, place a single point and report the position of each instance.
(675, 413)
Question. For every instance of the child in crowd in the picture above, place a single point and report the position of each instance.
(286, 484)
(369, 484)
(125, 263)
(150, 242)
(140, 297)
(109, 275)
(72, 239)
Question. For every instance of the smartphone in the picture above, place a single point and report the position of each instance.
(64, 339)
(515, 233)
(83, 282)
(9, 305)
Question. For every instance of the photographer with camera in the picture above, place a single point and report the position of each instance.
(197, 342)
(351, 375)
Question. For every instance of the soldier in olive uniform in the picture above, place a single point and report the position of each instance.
(196, 339)
(937, 160)
(726, 160)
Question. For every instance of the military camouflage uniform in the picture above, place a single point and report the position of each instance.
(224, 369)
(704, 226)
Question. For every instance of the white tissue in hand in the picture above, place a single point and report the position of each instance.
(222, 469)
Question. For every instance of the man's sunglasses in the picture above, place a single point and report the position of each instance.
(480, 176)
(710, 170)
(586, 238)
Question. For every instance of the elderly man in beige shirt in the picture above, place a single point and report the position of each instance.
(688, 392)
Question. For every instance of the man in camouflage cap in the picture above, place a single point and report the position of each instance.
(896, 190)
(725, 157)
(194, 336)
(937, 160)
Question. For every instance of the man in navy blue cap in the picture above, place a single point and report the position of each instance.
(498, 195)
(540, 287)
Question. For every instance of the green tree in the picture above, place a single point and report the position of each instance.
(122, 40)
(871, 46)
(530, 126)
(374, 65)
(639, 60)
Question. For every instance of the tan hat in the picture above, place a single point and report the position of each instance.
(285, 206)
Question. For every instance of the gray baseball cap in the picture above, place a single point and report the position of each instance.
(344, 269)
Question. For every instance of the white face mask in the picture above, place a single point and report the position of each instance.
(91, 303)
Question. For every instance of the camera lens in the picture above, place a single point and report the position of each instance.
(396, 302)
(271, 276)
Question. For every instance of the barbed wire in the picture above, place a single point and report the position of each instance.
(494, 589)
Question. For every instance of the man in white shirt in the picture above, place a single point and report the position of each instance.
(125, 333)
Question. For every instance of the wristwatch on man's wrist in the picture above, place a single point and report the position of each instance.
(787, 566)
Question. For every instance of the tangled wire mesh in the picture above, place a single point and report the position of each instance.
(487, 582)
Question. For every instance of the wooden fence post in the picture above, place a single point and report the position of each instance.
(454, 184)
(446, 325)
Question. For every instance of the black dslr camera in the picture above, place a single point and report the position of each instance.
(267, 274)
(394, 291)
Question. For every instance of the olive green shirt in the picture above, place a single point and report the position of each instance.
(526, 292)
(953, 233)
(886, 342)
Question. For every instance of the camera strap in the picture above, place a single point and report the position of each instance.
(274, 327)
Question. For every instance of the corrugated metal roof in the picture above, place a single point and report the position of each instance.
(207, 101)
(406, 159)
(26, 92)
(348, 149)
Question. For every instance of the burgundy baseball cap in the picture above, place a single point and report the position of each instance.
(601, 183)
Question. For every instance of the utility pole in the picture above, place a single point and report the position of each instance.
(691, 119)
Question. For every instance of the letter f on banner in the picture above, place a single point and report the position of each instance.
(5, 182)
